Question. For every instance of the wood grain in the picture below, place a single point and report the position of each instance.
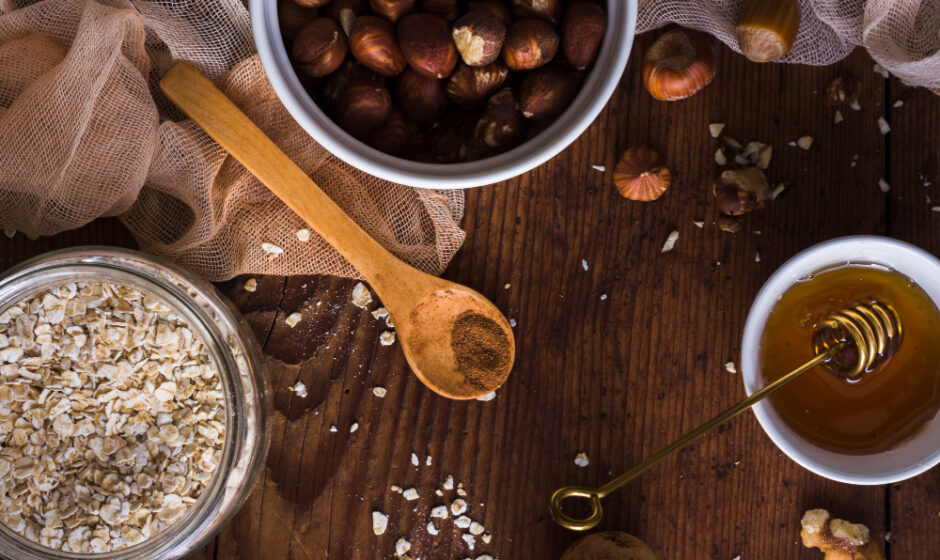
(616, 378)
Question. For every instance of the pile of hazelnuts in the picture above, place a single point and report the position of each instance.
(443, 80)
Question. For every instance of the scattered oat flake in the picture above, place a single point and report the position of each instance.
(470, 540)
(458, 507)
(581, 459)
(600, 168)
(361, 297)
(379, 522)
(432, 528)
(395, 488)
(670, 242)
(487, 538)
(883, 126)
(898, 103)
(778, 190)
(476, 528)
(410, 494)
(838, 117)
(855, 105)
(584, 264)
(439, 512)
(251, 285)
(303, 235)
(293, 319)
(507, 286)
(439, 493)
(354, 427)
(427, 461)
(462, 522)
(379, 392)
(460, 491)
(299, 389)
(720, 157)
(730, 367)
(448, 483)
(603, 297)
(883, 185)
(380, 313)
(414, 459)
(402, 546)
(487, 397)
(387, 338)
(699, 225)
(805, 142)
(271, 249)
(715, 129)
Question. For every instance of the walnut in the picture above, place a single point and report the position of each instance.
(838, 539)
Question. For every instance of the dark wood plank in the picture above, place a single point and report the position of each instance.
(914, 174)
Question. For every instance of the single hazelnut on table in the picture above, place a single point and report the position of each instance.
(530, 43)
(447, 9)
(292, 17)
(582, 31)
(345, 12)
(501, 126)
(364, 106)
(549, 10)
(426, 43)
(641, 175)
(479, 37)
(421, 98)
(838, 539)
(842, 90)
(739, 191)
(470, 87)
(679, 64)
(767, 28)
(547, 92)
(392, 10)
(608, 545)
(493, 7)
(372, 42)
(320, 47)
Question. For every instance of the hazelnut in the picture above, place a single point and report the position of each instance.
(336, 83)
(501, 126)
(447, 9)
(392, 10)
(311, 3)
(729, 224)
(842, 91)
(345, 12)
(547, 92)
(739, 191)
(396, 137)
(549, 10)
(363, 107)
(612, 545)
(641, 175)
(425, 41)
(421, 98)
(530, 43)
(292, 17)
(767, 28)
(479, 38)
(320, 47)
(492, 7)
(470, 87)
(582, 32)
(451, 138)
(679, 64)
(372, 42)
(838, 539)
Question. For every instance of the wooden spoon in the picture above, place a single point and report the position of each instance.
(455, 340)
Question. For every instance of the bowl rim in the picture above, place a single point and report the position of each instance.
(597, 90)
(841, 250)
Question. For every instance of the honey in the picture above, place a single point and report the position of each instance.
(884, 406)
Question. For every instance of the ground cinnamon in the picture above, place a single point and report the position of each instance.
(482, 350)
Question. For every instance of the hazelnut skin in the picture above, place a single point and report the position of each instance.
(492, 7)
(739, 191)
(641, 175)
(549, 10)
(426, 43)
(292, 17)
(364, 106)
(320, 47)
(470, 87)
(582, 31)
(392, 10)
(345, 12)
(447, 9)
(547, 92)
(530, 43)
(479, 38)
(372, 42)
(421, 98)
(679, 64)
(501, 126)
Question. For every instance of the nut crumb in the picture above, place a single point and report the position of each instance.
(410, 494)
(462, 522)
(439, 512)
(581, 459)
(354, 427)
(476, 528)
(603, 297)
(299, 389)
(460, 491)
(487, 397)
(11, 233)
(879, 69)
(387, 338)
(898, 104)
(293, 319)
(333, 428)
(427, 461)
(380, 313)
(778, 190)
(730, 367)
(670, 242)
(414, 459)
(584, 264)
(883, 126)
(757, 256)
(271, 249)
(361, 297)
(883, 185)
(395, 488)
(600, 168)
(303, 235)
(251, 285)
(458, 507)
(487, 538)
(402, 546)
(379, 522)
(448, 483)
(513, 323)
(720, 157)
(379, 392)
(432, 528)
(855, 105)
(715, 129)
(470, 540)
(838, 117)
(805, 142)
(699, 225)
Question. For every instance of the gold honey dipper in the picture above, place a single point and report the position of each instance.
(847, 342)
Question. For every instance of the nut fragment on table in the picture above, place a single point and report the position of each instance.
(842, 90)
(836, 538)
(113, 417)
(679, 64)
(642, 175)
(739, 191)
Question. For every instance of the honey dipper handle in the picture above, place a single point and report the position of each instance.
(595, 494)
(212, 110)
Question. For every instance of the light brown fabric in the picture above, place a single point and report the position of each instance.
(84, 132)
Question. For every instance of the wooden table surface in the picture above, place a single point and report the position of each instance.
(615, 377)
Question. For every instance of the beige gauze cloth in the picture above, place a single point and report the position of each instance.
(85, 132)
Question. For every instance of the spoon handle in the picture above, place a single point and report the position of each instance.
(595, 494)
(212, 110)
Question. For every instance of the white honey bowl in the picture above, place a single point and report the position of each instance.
(909, 458)
(595, 92)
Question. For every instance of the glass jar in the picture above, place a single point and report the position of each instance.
(232, 347)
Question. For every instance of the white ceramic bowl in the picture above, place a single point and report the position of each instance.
(910, 458)
(596, 91)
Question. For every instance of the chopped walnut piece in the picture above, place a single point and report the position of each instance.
(836, 538)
